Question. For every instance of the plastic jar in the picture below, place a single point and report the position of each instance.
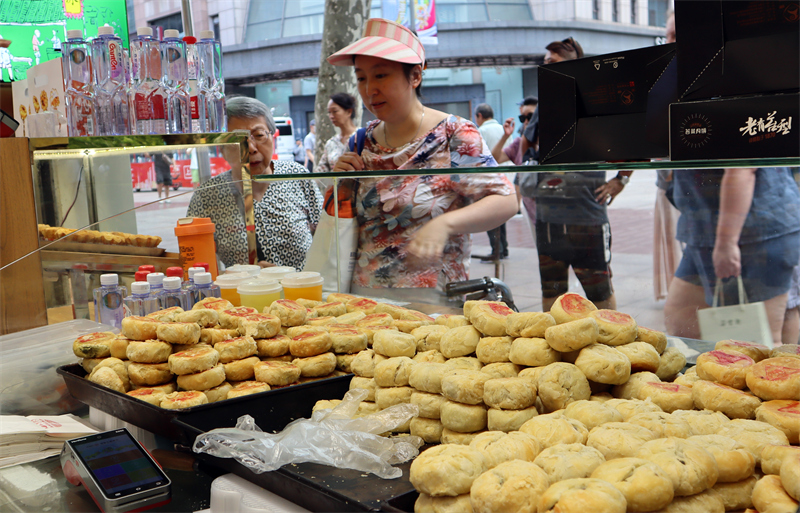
(259, 294)
(252, 270)
(196, 242)
(228, 283)
(305, 285)
(277, 273)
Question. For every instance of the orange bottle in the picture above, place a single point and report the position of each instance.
(196, 242)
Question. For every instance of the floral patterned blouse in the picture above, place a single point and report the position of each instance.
(334, 148)
(391, 209)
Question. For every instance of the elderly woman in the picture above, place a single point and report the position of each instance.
(286, 212)
(414, 230)
(342, 113)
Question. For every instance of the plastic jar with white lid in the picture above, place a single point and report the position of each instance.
(252, 270)
(305, 285)
(228, 283)
(259, 293)
(277, 273)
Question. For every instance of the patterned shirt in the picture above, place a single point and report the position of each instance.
(334, 148)
(285, 217)
(391, 209)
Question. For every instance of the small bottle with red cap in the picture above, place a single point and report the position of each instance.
(140, 275)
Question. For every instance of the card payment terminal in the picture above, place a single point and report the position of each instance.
(119, 474)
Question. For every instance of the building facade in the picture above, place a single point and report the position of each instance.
(487, 50)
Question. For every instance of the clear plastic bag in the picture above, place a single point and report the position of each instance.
(331, 437)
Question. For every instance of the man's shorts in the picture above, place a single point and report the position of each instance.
(587, 249)
(163, 175)
(766, 269)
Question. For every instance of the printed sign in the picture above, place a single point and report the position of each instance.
(37, 28)
(424, 17)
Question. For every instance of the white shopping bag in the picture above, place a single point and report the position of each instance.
(333, 252)
(747, 322)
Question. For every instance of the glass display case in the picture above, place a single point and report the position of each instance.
(106, 185)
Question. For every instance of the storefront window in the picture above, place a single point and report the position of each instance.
(264, 20)
(508, 10)
(452, 11)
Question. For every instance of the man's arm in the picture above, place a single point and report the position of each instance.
(735, 199)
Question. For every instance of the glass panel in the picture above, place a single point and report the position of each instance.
(450, 13)
(303, 25)
(263, 31)
(265, 10)
(304, 7)
(509, 12)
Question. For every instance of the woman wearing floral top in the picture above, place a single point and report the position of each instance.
(341, 112)
(414, 230)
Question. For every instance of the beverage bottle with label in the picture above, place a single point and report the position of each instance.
(108, 301)
(211, 84)
(173, 294)
(175, 81)
(204, 287)
(140, 302)
(193, 65)
(76, 64)
(156, 281)
(146, 95)
(110, 83)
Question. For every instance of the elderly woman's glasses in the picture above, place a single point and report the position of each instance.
(259, 136)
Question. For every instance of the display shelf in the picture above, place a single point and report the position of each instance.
(552, 168)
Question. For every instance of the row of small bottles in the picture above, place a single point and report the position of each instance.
(173, 86)
(151, 292)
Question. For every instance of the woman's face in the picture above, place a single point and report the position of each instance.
(338, 115)
(261, 142)
(384, 88)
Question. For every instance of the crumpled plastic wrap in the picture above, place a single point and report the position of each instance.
(331, 437)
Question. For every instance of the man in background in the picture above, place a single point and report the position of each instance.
(299, 152)
(492, 132)
(309, 143)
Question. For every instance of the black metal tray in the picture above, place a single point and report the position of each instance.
(281, 405)
(402, 503)
(310, 485)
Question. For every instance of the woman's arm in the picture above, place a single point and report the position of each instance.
(485, 214)
(497, 152)
(735, 198)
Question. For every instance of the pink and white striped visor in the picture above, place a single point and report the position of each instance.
(385, 39)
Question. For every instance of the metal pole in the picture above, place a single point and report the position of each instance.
(186, 17)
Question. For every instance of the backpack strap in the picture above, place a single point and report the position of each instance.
(357, 140)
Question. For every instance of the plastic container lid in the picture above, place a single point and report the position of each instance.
(155, 279)
(144, 31)
(172, 283)
(109, 279)
(204, 265)
(75, 34)
(175, 271)
(171, 33)
(206, 34)
(305, 279)
(150, 268)
(140, 287)
(194, 270)
(194, 226)
(105, 30)
(277, 273)
(141, 275)
(260, 286)
(230, 281)
(252, 270)
(202, 278)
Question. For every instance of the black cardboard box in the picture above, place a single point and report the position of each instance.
(596, 108)
(733, 128)
(736, 48)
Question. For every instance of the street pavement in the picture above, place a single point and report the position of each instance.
(631, 217)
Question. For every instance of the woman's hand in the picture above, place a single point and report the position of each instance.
(427, 245)
(727, 258)
(264, 263)
(349, 161)
(606, 193)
